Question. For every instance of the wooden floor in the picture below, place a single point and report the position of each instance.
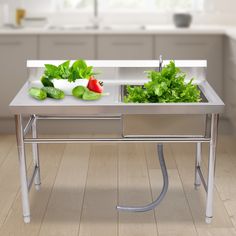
(82, 184)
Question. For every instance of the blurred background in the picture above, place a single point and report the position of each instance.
(118, 29)
(121, 11)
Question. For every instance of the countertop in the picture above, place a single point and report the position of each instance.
(112, 104)
(149, 30)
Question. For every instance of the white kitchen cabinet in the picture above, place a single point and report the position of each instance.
(195, 47)
(67, 47)
(14, 52)
(230, 79)
(125, 47)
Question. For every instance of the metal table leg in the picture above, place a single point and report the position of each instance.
(153, 204)
(198, 158)
(211, 168)
(23, 169)
(37, 180)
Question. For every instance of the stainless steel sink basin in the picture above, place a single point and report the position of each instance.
(150, 125)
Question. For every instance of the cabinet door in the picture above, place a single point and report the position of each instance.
(14, 52)
(125, 47)
(230, 80)
(229, 49)
(195, 47)
(61, 47)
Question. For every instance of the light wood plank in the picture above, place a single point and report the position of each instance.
(217, 232)
(184, 156)
(99, 216)
(50, 156)
(134, 189)
(6, 144)
(228, 142)
(64, 208)
(230, 205)
(9, 181)
(226, 175)
(173, 214)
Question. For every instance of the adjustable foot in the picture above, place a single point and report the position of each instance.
(196, 186)
(153, 204)
(27, 219)
(37, 187)
(208, 220)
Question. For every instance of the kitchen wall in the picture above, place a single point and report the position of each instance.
(219, 12)
(32, 5)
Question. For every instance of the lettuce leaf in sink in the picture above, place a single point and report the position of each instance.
(166, 86)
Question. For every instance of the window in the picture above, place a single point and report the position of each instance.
(82, 5)
(135, 5)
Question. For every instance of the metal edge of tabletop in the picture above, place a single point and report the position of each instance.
(214, 105)
(119, 109)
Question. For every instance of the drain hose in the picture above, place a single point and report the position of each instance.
(153, 204)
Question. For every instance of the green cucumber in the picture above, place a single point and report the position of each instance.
(90, 95)
(78, 91)
(37, 93)
(54, 92)
(46, 81)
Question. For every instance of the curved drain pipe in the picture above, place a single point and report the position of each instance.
(153, 204)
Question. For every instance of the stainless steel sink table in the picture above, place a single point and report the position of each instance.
(113, 107)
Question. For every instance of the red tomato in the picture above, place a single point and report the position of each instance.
(95, 85)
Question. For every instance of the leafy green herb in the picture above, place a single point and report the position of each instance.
(79, 70)
(164, 87)
(84, 93)
(91, 96)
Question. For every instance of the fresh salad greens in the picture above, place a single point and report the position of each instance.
(78, 70)
(167, 86)
(91, 96)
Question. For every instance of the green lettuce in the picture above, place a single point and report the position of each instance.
(167, 86)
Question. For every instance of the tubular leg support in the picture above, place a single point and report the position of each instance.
(23, 169)
(198, 158)
(211, 168)
(153, 204)
(37, 180)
